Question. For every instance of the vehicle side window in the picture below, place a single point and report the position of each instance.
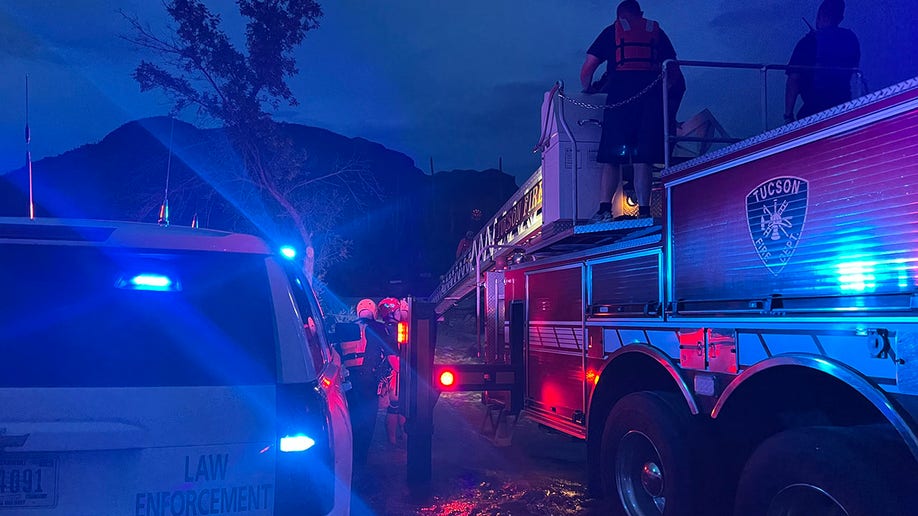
(93, 316)
(312, 320)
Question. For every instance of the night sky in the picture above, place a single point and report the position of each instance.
(458, 82)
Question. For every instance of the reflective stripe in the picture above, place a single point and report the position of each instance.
(352, 351)
(636, 49)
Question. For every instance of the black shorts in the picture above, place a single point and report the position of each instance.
(632, 133)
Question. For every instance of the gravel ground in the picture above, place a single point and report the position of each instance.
(539, 473)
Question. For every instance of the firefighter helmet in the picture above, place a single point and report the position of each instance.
(388, 308)
(366, 309)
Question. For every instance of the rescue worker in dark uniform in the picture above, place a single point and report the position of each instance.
(390, 312)
(634, 49)
(363, 359)
(831, 47)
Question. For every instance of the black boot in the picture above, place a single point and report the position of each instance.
(604, 214)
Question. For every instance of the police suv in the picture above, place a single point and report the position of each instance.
(148, 370)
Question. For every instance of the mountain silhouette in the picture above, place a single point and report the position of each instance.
(402, 224)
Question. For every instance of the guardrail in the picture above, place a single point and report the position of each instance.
(670, 138)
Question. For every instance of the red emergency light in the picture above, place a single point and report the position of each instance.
(475, 377)
(402, 332)
(446, 379)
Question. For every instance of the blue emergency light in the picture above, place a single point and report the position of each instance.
(288, 252)
(149, 281)
(296, 443)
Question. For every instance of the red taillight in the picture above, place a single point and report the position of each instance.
(402, 332)
(446, 379)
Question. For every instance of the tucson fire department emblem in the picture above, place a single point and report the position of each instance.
(776, 210)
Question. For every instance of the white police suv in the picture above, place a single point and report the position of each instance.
(167, 371)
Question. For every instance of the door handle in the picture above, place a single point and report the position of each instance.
(12, 440)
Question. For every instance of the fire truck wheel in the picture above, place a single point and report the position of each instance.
(844, 471)
(648, 459)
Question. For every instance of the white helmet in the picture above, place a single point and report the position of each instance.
(366, 309)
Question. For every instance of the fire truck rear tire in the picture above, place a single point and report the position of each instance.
(853, 471)
(649, 456)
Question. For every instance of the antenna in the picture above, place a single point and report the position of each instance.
(808, 24)
(28, 141)
(164, 208)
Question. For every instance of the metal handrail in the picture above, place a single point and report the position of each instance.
(764, 68)
(574, 156)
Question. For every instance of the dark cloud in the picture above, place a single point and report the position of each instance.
(74, 35)
(742, 17)
(17, 42)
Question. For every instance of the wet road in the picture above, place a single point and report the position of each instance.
(540, 473)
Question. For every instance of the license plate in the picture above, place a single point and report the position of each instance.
(27, 482)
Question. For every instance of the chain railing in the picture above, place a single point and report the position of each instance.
(615, 105)
(558, 90)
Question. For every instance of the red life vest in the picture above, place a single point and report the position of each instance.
(636, 46)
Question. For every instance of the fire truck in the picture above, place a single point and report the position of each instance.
(751, 349)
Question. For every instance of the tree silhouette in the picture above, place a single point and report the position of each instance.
(198, 67)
